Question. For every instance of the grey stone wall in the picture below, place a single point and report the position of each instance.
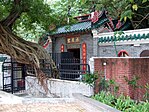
(87, 38)
(49, 48)
(57, 45)
(95, 47)
(133, 51)
(133, 47)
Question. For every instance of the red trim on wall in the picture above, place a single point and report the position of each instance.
(46, 44)
(84, 54)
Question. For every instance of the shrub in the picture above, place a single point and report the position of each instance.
(90, 79)
(122, 103)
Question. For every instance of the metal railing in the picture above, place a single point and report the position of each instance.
(73, 71)
(13, 76)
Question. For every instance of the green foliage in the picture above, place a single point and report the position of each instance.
(143, 1)
(114, 85)
(39, 13)
(90, 78)
(135, 7)
(127, 14)
(104, 84)
(132, 82)
(5, 7)
(122, 103)
(104, 97)
(117, 34)
(146, 95)
(35, 14)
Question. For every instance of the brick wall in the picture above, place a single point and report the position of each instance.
(118, 68)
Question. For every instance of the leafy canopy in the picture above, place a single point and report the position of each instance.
(37, 16)
(135, 10)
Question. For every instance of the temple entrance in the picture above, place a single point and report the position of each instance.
(76, 53)
(70, 65)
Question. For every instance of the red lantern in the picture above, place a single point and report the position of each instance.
(62, 48)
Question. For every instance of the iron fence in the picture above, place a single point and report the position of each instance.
(13, 76)
(73, 71)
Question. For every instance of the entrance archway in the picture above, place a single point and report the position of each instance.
(144, 53)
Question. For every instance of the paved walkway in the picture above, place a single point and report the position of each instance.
(12, 103)
(42, 107)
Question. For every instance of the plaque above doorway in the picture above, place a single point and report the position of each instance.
(72, 40)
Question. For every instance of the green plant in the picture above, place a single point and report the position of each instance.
(104, 84)
(133, 81)
(104, 97)
(146, 95)
(117, 35)
(122, 103)
(114, 86)
(108, 85)
(90, 78)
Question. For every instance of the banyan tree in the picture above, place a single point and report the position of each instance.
(24, 12)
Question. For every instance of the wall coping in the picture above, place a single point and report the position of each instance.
(96, 104)
(128, 32)
(121, 57)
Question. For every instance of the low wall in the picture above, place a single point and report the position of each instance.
(118, 68)
(57, 88)
(1, 76)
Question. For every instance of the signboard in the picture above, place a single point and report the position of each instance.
(71, 40)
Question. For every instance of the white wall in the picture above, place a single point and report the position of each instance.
(1, 77)
(57, 88)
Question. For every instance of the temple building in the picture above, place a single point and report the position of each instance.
(77, 40)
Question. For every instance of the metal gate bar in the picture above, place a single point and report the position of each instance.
(73, 71)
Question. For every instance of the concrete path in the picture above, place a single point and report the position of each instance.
(79, 103)
(42, 107)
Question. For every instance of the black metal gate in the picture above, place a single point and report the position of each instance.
(13, 76)
(73, 71)
(70, 68)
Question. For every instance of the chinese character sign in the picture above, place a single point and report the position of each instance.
(71, 40)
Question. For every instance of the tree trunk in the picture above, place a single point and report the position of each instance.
(24, 51)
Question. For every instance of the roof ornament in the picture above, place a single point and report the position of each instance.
(119, 24)
(94, 16)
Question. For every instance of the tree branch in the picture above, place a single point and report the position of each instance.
(17, 2)
(14, 14)
(142, 20)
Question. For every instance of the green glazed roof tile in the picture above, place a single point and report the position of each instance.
(74, 28)
(123, 38)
